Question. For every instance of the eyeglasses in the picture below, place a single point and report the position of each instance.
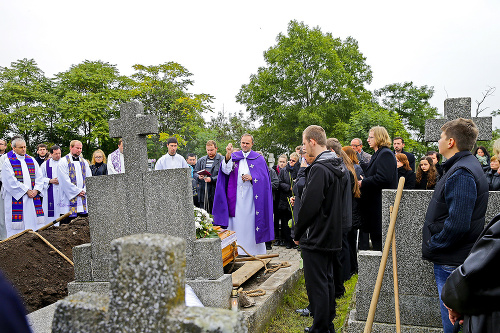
(96, 157)
(355, 145)
(294, 161)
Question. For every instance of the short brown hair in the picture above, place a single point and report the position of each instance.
(334, 144)
(211, 143)
(463, 131)
(381, 136)
(316, 133)
(494, 158)
(403, 159)
(248, 134)
(41, 145)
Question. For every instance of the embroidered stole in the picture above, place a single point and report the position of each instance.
(50, 191)
(115, 160)
(17, 205)
(72, 177)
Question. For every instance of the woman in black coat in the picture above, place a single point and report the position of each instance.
(381, 173)
(287, 177)
(98, 165)
(404, 170)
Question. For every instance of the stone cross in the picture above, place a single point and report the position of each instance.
(132, 127)
(146, 294)
(457, 108)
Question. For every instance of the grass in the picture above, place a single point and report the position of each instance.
(287, 321)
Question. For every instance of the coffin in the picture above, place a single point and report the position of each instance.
(228, 244)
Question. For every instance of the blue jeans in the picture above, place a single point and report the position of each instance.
(441, 273)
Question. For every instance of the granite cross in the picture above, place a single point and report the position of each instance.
(132, 127)
(457, 108)
(146, 294)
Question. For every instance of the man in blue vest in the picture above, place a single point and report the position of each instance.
(455, 216)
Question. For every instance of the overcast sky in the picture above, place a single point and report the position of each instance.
(451, 45)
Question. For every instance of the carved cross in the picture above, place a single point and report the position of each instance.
(457, 108)
(132, 127)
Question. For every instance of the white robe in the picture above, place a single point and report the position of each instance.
(243, 222)
(3, 230)
(59, 207)
(11, 187)
(171, 162)
(69, 191)
(111, 168)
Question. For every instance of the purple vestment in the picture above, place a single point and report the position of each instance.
(225, 195)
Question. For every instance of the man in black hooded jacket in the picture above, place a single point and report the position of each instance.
(318, 229)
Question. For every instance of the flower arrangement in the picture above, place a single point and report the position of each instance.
(203, 223)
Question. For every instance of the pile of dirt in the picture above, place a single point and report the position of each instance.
(38, 272)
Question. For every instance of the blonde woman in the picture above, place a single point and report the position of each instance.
(381, 173)
(98, 164)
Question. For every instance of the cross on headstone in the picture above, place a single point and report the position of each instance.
(132, 127)
(146, 294)
(457, 108)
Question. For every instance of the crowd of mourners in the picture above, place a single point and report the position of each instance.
(265, 205)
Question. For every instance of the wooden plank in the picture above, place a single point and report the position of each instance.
(247, 271)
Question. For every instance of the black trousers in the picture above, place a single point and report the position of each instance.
(318, 273)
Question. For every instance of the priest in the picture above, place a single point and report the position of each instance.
(243, 199)
(53, 205)
(73, 170)
(116, 161)
(22, 183)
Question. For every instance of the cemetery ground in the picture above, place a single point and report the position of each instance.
(286, 320)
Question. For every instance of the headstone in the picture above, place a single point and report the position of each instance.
(147, 294)
(270, 159)
(418, 296)
(140, 201)
(457, 108)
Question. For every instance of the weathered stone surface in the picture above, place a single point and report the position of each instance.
(219, 290)
(457, 108)
(82, 258)
(82, 312)
(147, 294)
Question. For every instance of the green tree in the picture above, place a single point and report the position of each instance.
(26, 102)
(411, 103)
(163, 91)
(89, 95)
(371, 115)
(310, 78)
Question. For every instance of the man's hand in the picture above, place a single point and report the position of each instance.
(54, 181)
(292, 201)
(32, 193)
(208, 179)
(296, 242)
(246, 177)
(454, 316)
(229, 151)
(201, 177)
(81, 194)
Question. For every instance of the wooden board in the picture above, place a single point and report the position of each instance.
(246, 271)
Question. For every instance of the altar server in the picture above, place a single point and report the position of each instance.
(53, 205)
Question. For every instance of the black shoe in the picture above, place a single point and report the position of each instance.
(304, 312)
(269, 247)
(289, 246)
(307, 329)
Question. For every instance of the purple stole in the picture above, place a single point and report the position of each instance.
(115, 160)
(50, 191)
(17, 205)
(226, 191)
(73, 203)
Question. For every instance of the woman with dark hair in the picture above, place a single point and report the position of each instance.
(381, 173)
(426, 174)
(98, 165)
(404, 170)
(482, 156)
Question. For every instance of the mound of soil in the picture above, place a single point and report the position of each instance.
(38, 272)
